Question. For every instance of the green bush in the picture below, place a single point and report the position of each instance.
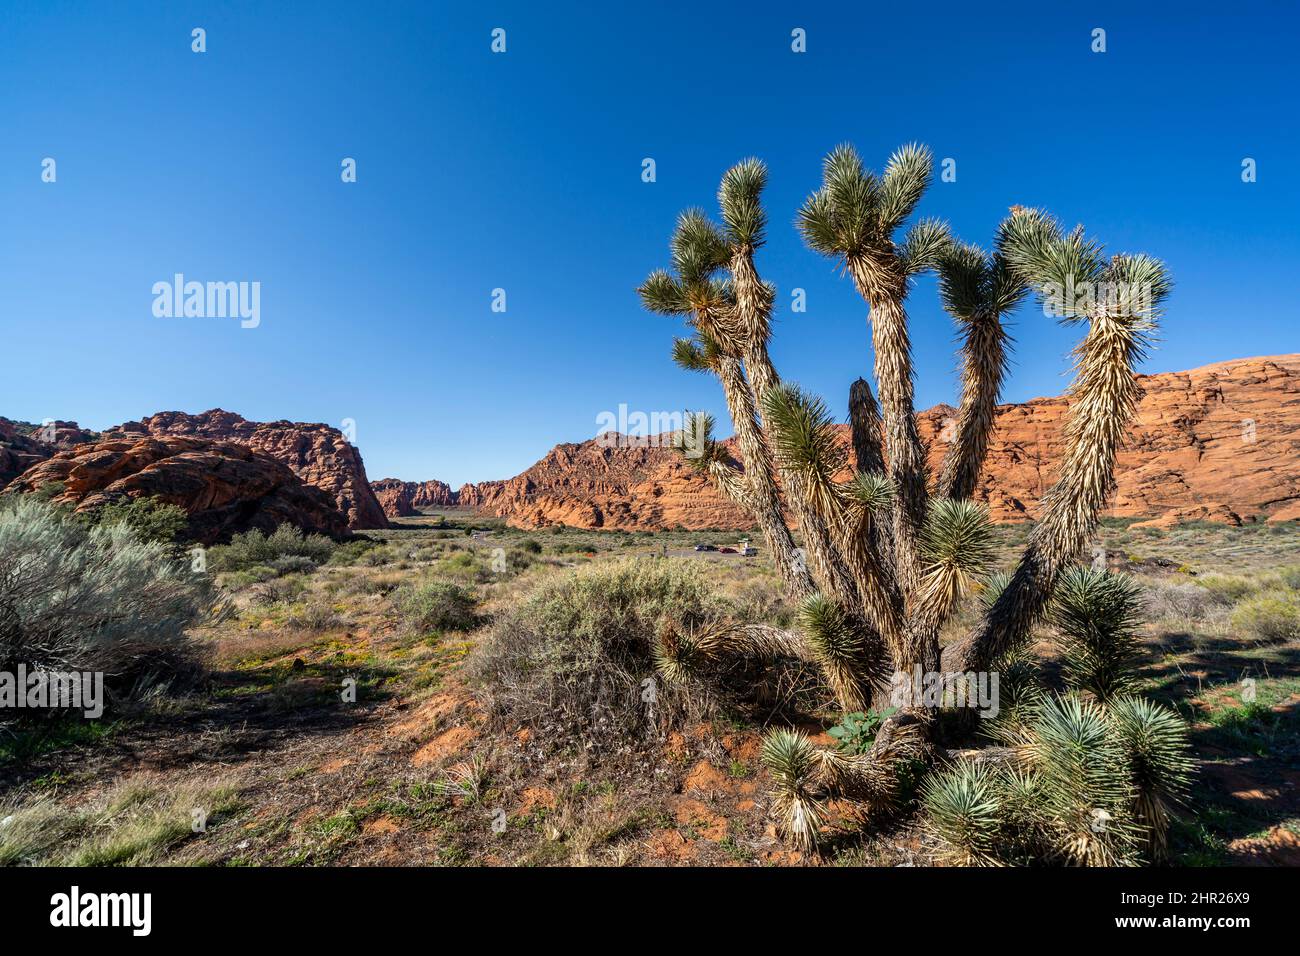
(856, 732)
(437, 606)
(1290, 576)
(1268, 617)
(1227, 588)
(254, 548)
(96, 598)
(530, 546)
(152, 519)
(351, 553)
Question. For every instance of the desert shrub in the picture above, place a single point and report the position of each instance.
(293, 564)
(576, 656)
(530, 546)
(1268, 617)
(352, 551)
(1181, 601)
(364, 584)
(1290, 576)
(1226, 588)
(152, 519)
(315, 615)
(378, 557)
(96, 598)
(437, 606)
(279, 590)
(254, 547)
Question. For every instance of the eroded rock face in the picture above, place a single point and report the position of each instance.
(1218, 443)
(224, 487)
(316, 453)
(23, 444)
(401, 499)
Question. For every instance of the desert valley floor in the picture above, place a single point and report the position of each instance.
(447, 755)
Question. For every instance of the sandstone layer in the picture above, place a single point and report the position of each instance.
(224, 487)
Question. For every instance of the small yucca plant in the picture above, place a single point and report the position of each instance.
(963, 808)
(1098, 614)
(1087, 788)
(1159, 757)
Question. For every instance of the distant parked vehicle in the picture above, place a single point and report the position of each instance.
(705, 547)
(726, 551)
(749, 552)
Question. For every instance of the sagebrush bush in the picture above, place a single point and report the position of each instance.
(1182, 601)
(1271, 618)
(575, 656)
(96, 598)
(1227, 588)
(256, 548)
(437, 606)
(1290, 576)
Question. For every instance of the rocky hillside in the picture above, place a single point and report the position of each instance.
(23, 444)
(225, 487)
(1219, 443)
(316, 453)
(401, 499)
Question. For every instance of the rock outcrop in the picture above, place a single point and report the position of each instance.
(224, 487)
(401, 499)
(316, 453)
(1218, 443)
(23, 444)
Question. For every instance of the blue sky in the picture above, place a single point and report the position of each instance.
(522, 171)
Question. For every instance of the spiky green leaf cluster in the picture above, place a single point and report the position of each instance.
(805, 441)
(873, 491)
(854, 213)
(1159, 755)
(963, 808)
(1088, 789)
(740, 198)
(1098, 614)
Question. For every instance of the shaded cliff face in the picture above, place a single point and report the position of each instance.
(224, 487)
(316, 453)
(1218, 443)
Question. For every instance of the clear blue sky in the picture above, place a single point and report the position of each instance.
(523, 171)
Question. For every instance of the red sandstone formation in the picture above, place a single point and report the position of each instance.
(225, 487)
(1218, 443)
(318, 454)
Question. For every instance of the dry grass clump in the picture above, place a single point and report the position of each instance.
(132, 824)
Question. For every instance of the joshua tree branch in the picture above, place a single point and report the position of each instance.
(984, 364)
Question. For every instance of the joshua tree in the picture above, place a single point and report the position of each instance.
(888, 552)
